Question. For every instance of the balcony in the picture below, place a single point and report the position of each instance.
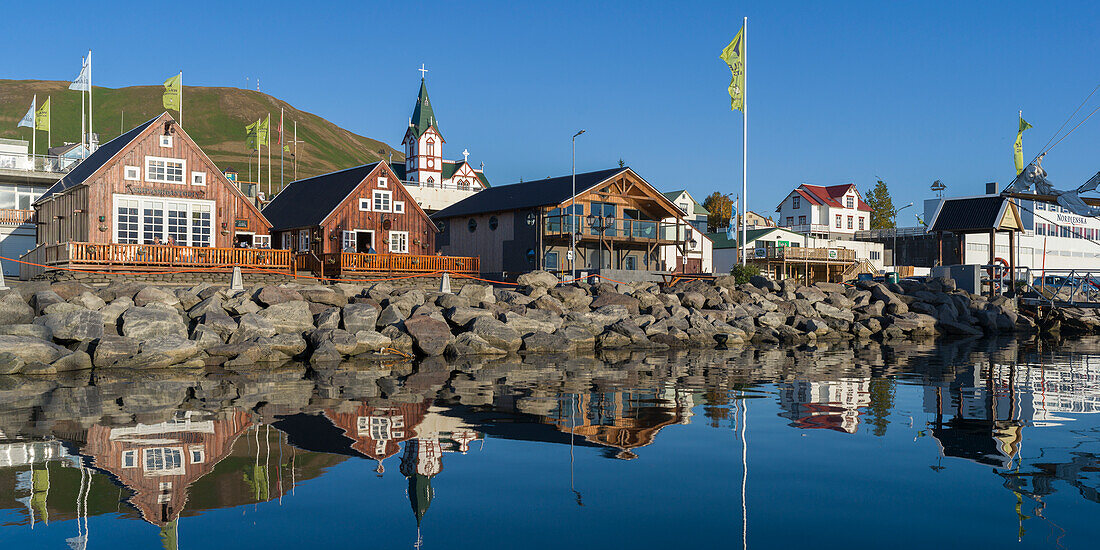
(350, 264)
(37, 163)
(149, 257)
(597, 228)
(14, 217)
(804, 254)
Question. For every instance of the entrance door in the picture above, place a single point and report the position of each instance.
(364, 241)
(243, 240)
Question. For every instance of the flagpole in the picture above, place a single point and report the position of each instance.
(259, 151)
(282, 141)
(90, 130)
(181, 98)
(268, 136)
(83, 128)
(295, 150)
(745, 138)
(34, 129)
(49, 128)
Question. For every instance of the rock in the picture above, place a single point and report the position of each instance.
(692, 299)
(341, 340)
(271, 295)
(915, 323)
(526, 324)
(326, 353)
(512, 297)
(370, 340)
(152, 294)
(447, 301)
(254, 353)
(77, 360)
(771, 319)
(11, 363)
(543, 342)
(14, 311)
(399, 339)
(31, 349)
(61, 307)
(578, 338)
(292, 345)
(829, 311)
(615, 299)
(430, 336)
(112, 349)
(360, 316)
(764, 283)
(187, 298)
(322, 295)
(206, 336)
(538, 278)
(612, 340)
(241, 304)
(548, 303)
(477, 293)
(148, 322)
(390, 315)
(73, 326)
(87, 300)
(629, 328)
(469, 343)
(289, 317)
(253, 326)
(329, 318)
(68, 290)
(496, 333)
(461, 316)
(162, 351)
(571, 297)
(212, 304)
(957, 328)
(218, 321)
(41, 332)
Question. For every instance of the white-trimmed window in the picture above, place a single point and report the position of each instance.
(347, 241)
(382, 182)
(202, 222)
(364, 205)
(129, 459)
(165, 141)
(303, 240)
(288, 241)
(164, 461)
(850, 201)
(127, 230)
(398, 207)
(131, 173)
(165, 170)
(382, 201)
(198, 178)
(261, 241)
(198, 454)
(399, 242)
(177, 223)
(146, 220)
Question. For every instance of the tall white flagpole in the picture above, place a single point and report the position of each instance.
(268, 156)
(49, 128)
(745, 139)
(181, 98)
(90, 130)
(34, 130)
(282, 145)
(83, 128)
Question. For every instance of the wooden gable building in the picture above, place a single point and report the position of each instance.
(149, 188)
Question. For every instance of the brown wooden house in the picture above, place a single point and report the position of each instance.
(620, 222)
(377, 432)
(356, 220)
(150, 197)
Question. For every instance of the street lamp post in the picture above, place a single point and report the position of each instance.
(572, 201)
(896, 210)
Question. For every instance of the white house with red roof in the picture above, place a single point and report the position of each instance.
(828, 211)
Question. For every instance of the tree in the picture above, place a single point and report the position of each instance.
(720, 209)
(882, 402)
(882, 207)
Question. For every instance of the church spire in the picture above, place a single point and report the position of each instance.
(423, 116)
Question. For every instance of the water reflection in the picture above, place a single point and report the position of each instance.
(158, 447)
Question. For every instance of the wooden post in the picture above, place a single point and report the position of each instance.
(1012, 263)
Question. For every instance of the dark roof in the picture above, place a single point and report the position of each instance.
(423, 115)
(230, 169)
(307, 202)
(101, 156)
(528, 194)
(58, 150)
(968, 215)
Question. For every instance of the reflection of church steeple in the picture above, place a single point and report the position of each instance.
(420, 463)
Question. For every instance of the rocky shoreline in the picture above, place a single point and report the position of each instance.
(69, 326)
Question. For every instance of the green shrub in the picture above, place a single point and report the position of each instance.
(742, 273)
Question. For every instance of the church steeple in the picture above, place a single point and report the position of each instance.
(423, 117)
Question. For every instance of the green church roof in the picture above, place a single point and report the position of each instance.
(423, 117)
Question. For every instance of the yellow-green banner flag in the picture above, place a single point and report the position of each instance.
(262, 131)
(172, 92)
(42, 116)
(1018, 149)
(251, 131)
(734, 56)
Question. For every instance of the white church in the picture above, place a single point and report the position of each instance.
(433, 182)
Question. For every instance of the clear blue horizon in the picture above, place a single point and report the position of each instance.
(836, 94)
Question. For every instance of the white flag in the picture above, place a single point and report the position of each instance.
(28, 119)
(83, 81)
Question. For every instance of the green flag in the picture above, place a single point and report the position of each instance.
(250, 130)
(734, 56)
(42, 116)
(1018, 149)
(262, 131)
(172, 92)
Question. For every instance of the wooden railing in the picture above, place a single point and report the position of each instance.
(400, 263)
(618, 228)
(799, 253)
(107, 255)
(16, 217)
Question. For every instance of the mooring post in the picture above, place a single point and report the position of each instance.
(445, 283)
(236, 283)
(3, 284)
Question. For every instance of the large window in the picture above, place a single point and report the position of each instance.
(347, 241)
(126, 220)
(201, 224)
(152, 222)
(164, 170)
(140, 220)
(399, 242)
(861, 218)
(164, 461)
(551, 260)
(802, 220)
(303, 240)
(849, 222)
(607, 210)
(796, 202)
(838, 221)
(18, 197)
(382, 201)
(177, 224)
(850, 201)
(288, 241)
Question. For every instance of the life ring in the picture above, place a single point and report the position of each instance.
(994, 282)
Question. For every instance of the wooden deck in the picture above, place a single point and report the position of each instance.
(351, 264)
(14, 217)
(808, 264)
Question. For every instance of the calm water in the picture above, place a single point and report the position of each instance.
(992, 443)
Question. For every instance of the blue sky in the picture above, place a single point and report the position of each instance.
(838, 92)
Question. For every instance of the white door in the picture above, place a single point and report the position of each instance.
(13, 246)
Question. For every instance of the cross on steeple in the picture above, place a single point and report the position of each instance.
(465, 155)
(423, 71)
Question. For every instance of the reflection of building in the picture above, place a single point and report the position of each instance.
(159, 461)
(377, 432)
(621, 419)
(832, 405)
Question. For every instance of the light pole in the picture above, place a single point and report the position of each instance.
(896, 210)
(572, 200)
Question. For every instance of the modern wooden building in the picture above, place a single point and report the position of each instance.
(356, 220)
(148, 198)
(619, 223)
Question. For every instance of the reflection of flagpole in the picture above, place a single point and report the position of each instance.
(745, 136)
(744, 473)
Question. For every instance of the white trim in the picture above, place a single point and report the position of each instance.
(141, 200)
(166, 160)
(163, 471)
(287, 241)
(132, 456)
(303, 240)
(198, 178)
(382, 182)
(391, 242)
(365, 201)
(398, 207)
(388, 203)
(164, 141)
(136, 173)
(346, 238)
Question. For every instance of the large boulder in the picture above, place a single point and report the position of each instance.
(543, 342)
(87, 300)
(112, 349)
(253, 326)
(571, 297)
(496, 333)
(370, 340)
(615, 299)
(477, 293)
(469, 343)
(162, 351)
(149, 322)
(430, 336)
(764, 283)
(11, 363)
(43, 299)
(360, 316)
(32, 330)
(343, 341)
(73, 326)
(289, 317)
(391, 314)
(271, 295)
(77, 360)
(323, 295)
(290, 344)
(543, 279)
(31, 350)
(461, 316)
(152, 294)
(14, 311)
(577, 337)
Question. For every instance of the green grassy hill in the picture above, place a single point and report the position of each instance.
(214, 117)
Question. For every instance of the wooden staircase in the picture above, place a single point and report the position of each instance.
(853, 270)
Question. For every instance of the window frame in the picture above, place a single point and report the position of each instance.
(378, 193)
(303, 240)
(198, 178)
(126, 173)
(287, 240)
(382, 182)
(148, 171)
(391, 241)
(398, 207)
(365, 201)
(164, 141)
(796, 202)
